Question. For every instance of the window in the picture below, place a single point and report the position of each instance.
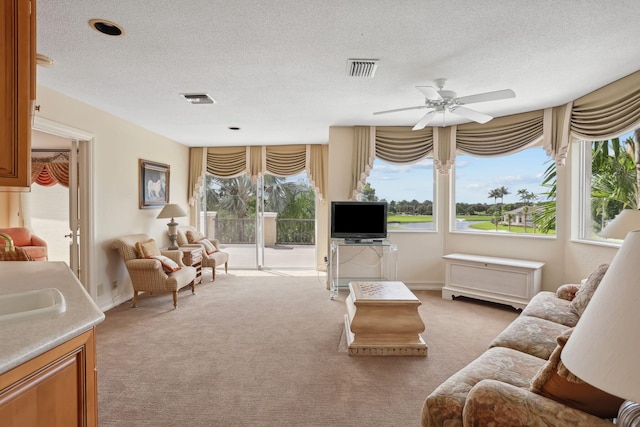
(508, 194)
(408, 189)
(608, 182)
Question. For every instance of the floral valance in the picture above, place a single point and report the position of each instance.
(49, 169)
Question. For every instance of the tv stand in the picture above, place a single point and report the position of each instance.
(357, 260)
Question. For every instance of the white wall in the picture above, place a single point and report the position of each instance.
(118, 146)
(420, 262)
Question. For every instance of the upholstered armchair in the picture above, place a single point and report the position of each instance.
(211, 256)
(151, 270)
(23, 238)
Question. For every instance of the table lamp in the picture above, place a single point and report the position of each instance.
(605, 343)
(627, 220)
(172, 211)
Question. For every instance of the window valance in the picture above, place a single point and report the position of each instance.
(48, 170)
(607, 112)
(279, 160)
(501, 135)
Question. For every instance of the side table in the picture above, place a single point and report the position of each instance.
(192, 255)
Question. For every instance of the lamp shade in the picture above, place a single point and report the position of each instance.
(604, 346)
(627, 220)
(171, 211)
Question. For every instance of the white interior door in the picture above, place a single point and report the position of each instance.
(74, 211)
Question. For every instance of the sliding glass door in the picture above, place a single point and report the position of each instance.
(269, 224)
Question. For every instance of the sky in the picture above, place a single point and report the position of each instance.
(475, 177)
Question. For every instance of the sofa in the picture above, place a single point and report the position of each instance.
(520, 379)
(33, 245)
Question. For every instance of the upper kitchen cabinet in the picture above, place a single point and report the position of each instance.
(17, 92)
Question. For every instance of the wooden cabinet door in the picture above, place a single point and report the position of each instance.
(17, 92)
(56, 389)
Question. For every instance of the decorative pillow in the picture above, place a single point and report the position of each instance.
(556, 382)
(194, 236)
(585, 292)
(168, 264)
(147, 248)
(567, 291)
(208, 246)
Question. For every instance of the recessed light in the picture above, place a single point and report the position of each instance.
(106, 27)
(234, 128)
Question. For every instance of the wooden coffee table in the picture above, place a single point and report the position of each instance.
(382, 320)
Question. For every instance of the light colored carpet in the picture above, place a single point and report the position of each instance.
(260, 348)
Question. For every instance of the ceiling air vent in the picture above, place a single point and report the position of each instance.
(362, 67)
(198, 98)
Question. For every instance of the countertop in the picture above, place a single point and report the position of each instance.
(23, 339)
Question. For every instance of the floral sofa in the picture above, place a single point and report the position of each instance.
(520, 380)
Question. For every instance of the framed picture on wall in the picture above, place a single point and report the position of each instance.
(154, 184)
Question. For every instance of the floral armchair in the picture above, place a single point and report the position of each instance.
(153, 271)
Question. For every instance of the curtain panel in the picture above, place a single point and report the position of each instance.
(318, 168)
(197, 168)
(364, 153)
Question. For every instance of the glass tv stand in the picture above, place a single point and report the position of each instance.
(363, 260)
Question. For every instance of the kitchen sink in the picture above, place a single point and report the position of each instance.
(31, 304)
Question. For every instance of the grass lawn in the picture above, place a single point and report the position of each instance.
(409, 218)
(488, 226)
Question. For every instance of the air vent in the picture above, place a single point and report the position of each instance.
(198, 98)
(362, 67)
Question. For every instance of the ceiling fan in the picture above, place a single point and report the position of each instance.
(440, 100)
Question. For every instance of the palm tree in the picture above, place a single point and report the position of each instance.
(510, 218)
(522, 194)
(525, 211)
(503, 191)
(544, 218)
(494, 194)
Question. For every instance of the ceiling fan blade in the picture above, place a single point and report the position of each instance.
(471, 114)
(430, 93)
(424, 121)
(487, 96)
(419, 107)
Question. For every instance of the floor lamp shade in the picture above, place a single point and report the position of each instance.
(604, 346)
(627, 220)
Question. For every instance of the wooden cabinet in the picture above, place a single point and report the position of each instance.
(501, 280)
(57, 388)
(17, 92)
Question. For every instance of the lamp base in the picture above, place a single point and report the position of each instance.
(172, 239)
(629, 414)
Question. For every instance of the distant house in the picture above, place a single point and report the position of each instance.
(518, 216)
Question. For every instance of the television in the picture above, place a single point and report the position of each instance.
(357, 221)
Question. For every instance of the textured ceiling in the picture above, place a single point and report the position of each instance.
(277, 69)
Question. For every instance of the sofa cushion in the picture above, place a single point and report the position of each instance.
(194, 236)
(556, 382)
(530, 335)
(546, 305)
(444, 406)
(168, 264)
(147, 248)
(567, 291)
(208, 246)
(585, 292)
